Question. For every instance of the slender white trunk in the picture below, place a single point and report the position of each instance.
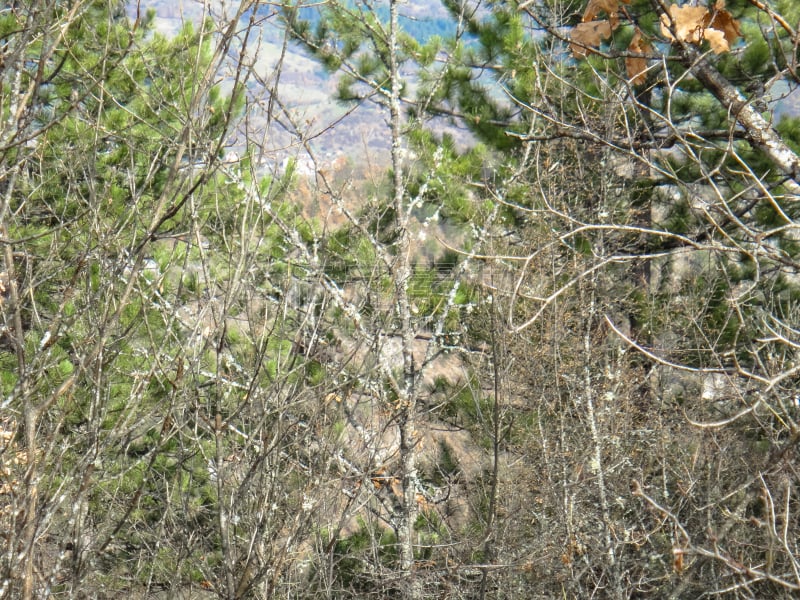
(402, 273)
(597, 464)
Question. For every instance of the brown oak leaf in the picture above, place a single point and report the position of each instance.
(588, 35)
(689, 23)
(693, 24)
(717, 40)
(720, 19)
(596, 7)
(637, 66)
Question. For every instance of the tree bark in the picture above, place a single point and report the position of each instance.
(407, 516)
(756, 128)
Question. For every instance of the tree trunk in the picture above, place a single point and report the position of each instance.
(407, 395)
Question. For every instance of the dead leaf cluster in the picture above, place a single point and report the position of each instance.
(591, 31)
(693, 24)
(690, 24)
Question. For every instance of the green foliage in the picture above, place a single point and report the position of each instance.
(465, 406)
(8, 374)
(447, 466)
(172, 374)
(359, 555)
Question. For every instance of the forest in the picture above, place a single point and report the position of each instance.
(540, 340)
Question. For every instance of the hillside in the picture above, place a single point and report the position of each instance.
(305, 88)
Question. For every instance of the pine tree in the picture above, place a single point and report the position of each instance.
(129, 246)
(640, 185)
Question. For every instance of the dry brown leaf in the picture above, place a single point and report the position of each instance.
(689, 23)
(677, 559)
(595, 7)
(721, 20)
(717, 40)
(637, 66)
(588, 34)
(397, 487)
(693, 24)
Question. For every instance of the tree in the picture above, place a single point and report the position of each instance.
(187, 378)
(425, 304)
(694, 176)
(145, 378)
(631, 144)
(551, 353)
